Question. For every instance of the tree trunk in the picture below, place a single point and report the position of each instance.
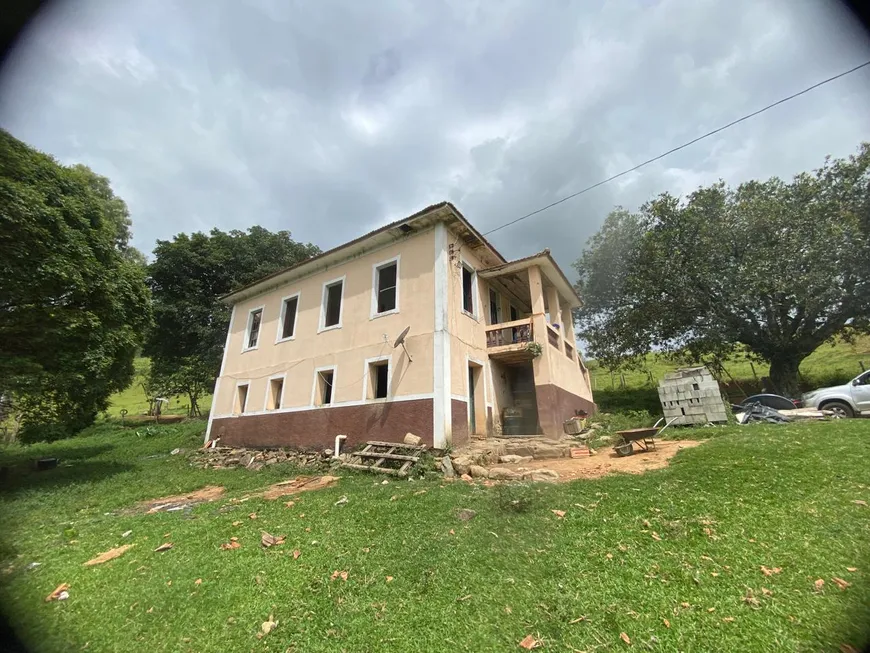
(784, 375)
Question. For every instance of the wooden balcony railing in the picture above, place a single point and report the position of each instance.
(509, 333)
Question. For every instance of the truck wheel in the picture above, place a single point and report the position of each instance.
(839, 408)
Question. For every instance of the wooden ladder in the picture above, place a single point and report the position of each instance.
(382, 457)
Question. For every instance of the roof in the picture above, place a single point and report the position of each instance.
(549, 268)
(393, 232)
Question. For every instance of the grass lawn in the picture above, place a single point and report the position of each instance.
(134, 401)
(672, 558)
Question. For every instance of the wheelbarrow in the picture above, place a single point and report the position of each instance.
(644, 438)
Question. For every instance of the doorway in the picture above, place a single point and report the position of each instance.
(475, 399)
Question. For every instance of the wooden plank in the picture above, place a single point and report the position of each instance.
(389, 456)
(380, 461)
(369, 468)
(400, 445)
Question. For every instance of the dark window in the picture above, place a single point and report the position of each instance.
(514, 314)
(493, 307)
(333, 304)
(467, 285)
(325, 389)
(254, 330)
(243, 397)
(386, 287)
(288, 326)
(380, 383)
(276, 388)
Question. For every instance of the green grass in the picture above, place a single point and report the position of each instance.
(134, 401)
(779, 496)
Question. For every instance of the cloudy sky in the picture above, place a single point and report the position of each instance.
(330, 118)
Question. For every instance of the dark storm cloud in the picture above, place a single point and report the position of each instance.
(331, 118)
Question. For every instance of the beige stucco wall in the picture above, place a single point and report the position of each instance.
(359, 338)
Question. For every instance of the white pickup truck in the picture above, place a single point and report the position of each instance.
(847, 400)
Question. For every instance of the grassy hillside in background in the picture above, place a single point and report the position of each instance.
(134, 400)
(624, 390)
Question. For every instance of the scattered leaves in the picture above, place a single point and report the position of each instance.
(55, 595)
(237, 523)
(253, 515)
(685, 605)
(851, 568)
(625, 638)
(389, 579)
(111, 554)
(842, 584)
(656, 537)
(529, 642)
(767, 571)
(338, 574)
(666, 623)
(198, 581)
(163, 547)
(819, 584)
(507, 609)
(728, 620)
(290, 504)
(847, 648)
(296, 553)
(559, 513)
(859, 502)
(766, 591)
(232, 544)
(452, 532)
(711, 609)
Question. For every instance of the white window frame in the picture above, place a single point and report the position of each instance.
(365, 390)
(284, 300)
(375, 269)
(323, 297)
(317, 371)
(250, 323)
(475, 300)
(283, 378)
(239, 384)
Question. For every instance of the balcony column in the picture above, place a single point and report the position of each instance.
(568, 327)
(536, 290)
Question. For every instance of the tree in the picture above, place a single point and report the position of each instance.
(73, 308)
(777, 268)
(187, 276)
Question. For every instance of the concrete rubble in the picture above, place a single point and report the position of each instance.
(486, 458)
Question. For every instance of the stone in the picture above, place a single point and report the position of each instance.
(466, 514)
(477, 471)
(518, 449)
(549, 451)
(247, 459)
(542, 475)
(412, 439)
(447, 467)
(462, 464)
(512, 458)
(467, 478)
(502, 474)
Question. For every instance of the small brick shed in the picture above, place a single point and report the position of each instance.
(692, 396)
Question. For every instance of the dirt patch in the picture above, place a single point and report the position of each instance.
(179, 501)
(605, 461)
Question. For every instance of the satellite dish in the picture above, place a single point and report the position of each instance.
(401, 341)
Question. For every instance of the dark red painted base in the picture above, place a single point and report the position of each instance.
(555, 405)
(317, 428)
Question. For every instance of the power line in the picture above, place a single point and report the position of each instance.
(679, 147)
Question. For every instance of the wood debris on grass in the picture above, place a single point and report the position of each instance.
(296, 553)
(299, 484)
(839, 582)
(529, 642)
(269, 540)
(559, 513)
(232, 544)
(851, 568)
(111, 554)
(819, 584)
(859, 502)
(625, 638)
(338, 574)
(768, 571)
(63, 588)
(178, 501)
(163, 547)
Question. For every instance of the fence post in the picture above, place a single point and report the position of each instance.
(752, 367)
(622, 376)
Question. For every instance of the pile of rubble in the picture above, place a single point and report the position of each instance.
(230, 457)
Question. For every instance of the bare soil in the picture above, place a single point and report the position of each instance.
(605, 461)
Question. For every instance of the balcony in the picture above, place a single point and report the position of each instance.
(508, 341)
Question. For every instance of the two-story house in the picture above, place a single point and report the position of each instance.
(490, 347)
